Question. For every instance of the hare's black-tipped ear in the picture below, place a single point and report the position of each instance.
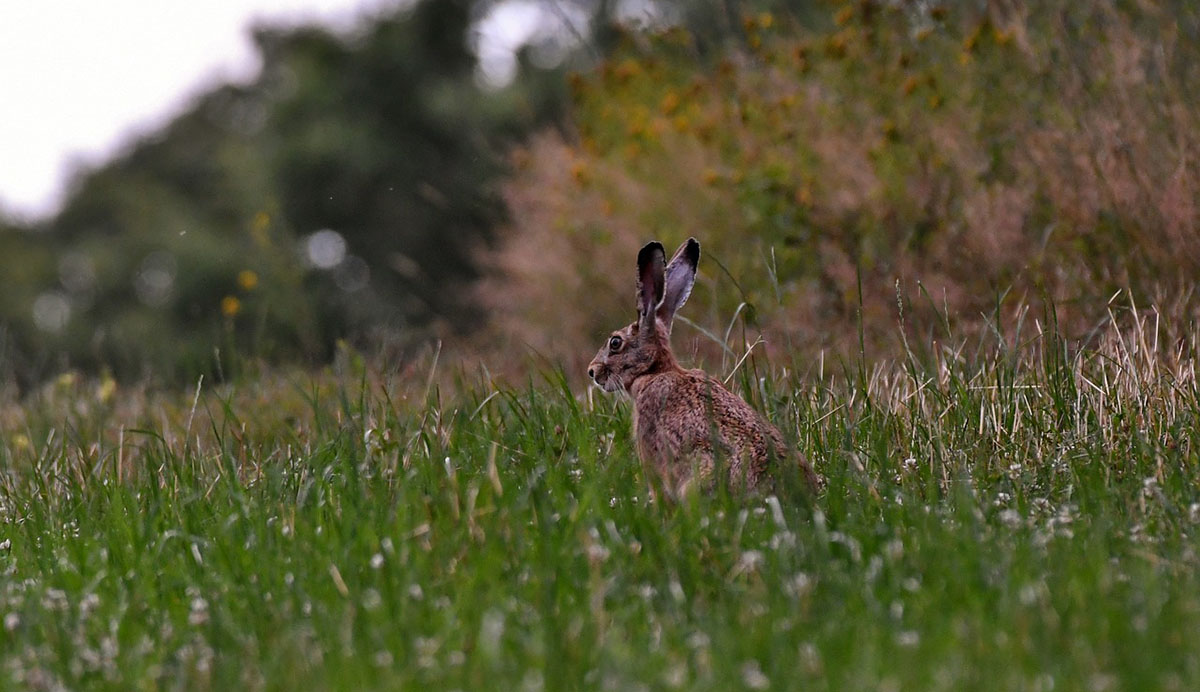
(680, 275)
(651, 268)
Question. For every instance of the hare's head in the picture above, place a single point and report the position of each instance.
(644, 347)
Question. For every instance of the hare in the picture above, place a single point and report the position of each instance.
(685, 423)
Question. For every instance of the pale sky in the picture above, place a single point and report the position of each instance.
(78, 78)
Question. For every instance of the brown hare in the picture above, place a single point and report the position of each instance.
(685, 423)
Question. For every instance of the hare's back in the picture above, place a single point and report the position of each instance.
(686, 416)
(708, 408)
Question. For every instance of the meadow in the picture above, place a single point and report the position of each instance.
(1010, 512)
(950, 251)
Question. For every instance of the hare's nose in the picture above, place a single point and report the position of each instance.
(592, 373)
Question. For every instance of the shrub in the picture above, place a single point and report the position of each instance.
(968, 160)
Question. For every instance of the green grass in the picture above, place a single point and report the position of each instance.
(1016, 515)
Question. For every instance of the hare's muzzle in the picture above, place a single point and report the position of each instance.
(597, 373)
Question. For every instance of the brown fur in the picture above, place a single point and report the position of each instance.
(685, 423)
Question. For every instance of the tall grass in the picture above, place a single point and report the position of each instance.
(1012, 512)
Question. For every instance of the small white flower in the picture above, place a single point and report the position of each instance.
(749, 560)
(198, 615)
(800, 584)
(597, 552)
(753, 677)
(491, 631)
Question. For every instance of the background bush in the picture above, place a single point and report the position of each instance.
(963, 161)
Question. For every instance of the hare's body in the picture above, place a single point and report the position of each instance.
(686, 424)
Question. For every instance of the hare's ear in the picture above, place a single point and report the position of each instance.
(651, 262)
(680, 275)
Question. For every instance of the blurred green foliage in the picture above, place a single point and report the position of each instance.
(199, 239)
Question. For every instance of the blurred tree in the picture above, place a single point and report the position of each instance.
(342, 193)
(390, 143)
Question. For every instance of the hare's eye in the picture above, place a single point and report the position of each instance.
(614, 344)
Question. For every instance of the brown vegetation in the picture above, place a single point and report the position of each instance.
(955, 166)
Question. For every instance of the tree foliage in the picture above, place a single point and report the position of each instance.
(199, 238)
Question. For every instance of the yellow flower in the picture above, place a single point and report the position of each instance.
(669, 103)
(21, 442)
(766, 20)
(259, 227)
(835, 46)
(627, 69)
(247, 279)
(972, 39)
(230, 306)
(108, 387)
